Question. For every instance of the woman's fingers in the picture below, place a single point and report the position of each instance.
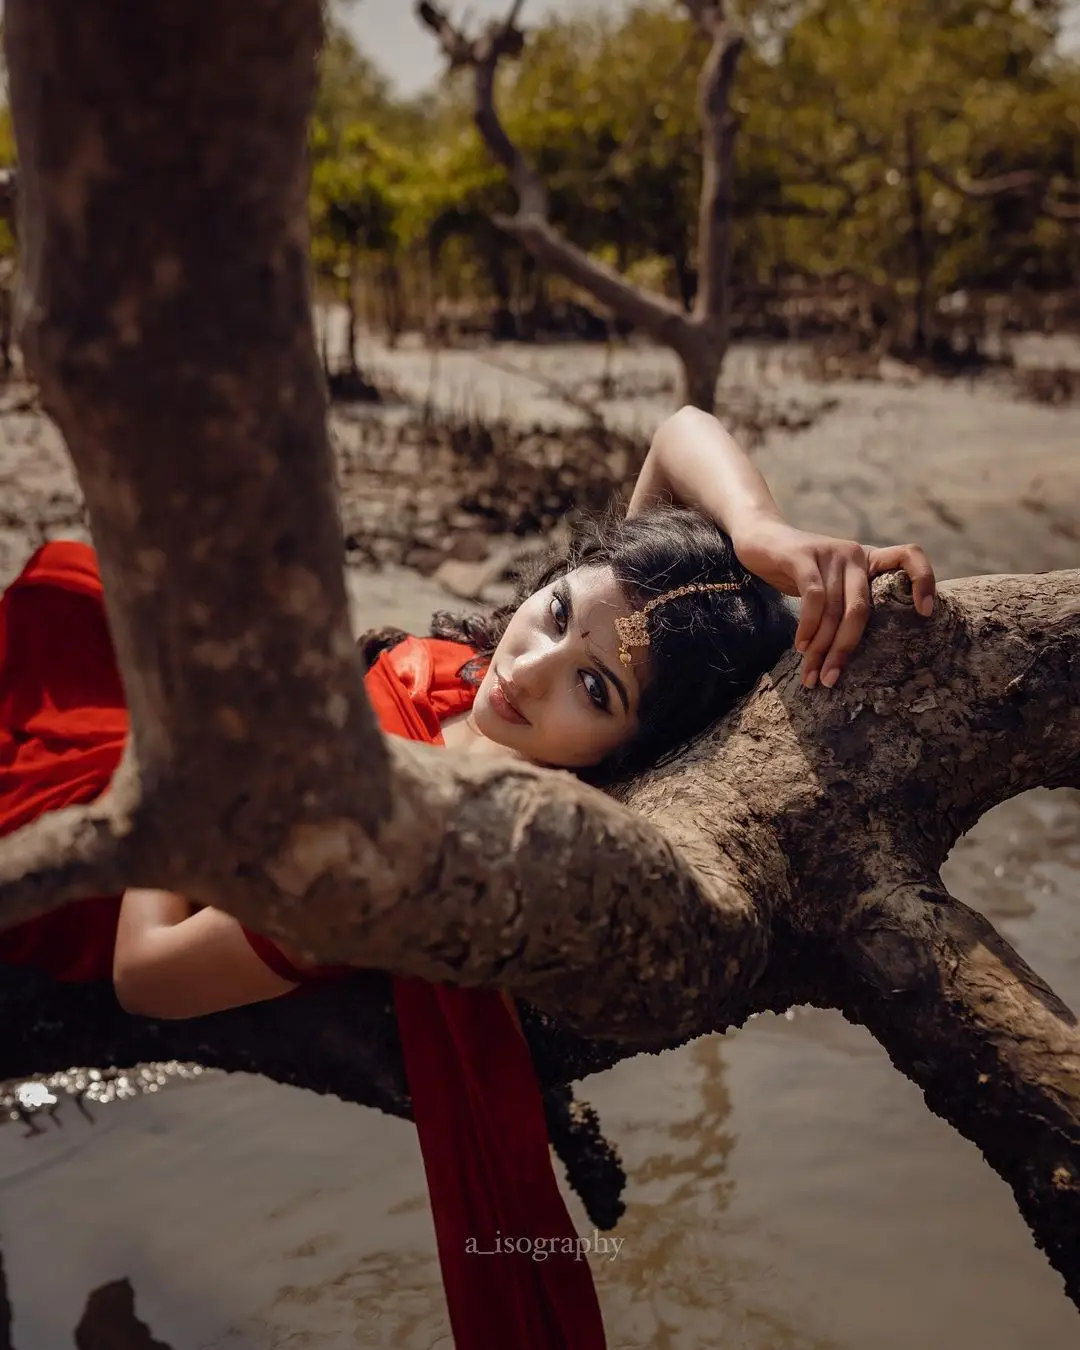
(923, 582)
(855, 574)
(810, 588)
(834, 587)
(909, 558)
(830, 613)
(852, 625)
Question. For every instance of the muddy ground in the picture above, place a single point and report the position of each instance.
(985, 480)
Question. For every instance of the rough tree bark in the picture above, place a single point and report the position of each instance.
(699, 336)
(792, 856)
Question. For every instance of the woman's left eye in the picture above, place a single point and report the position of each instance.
(557, 610)
(595, 688)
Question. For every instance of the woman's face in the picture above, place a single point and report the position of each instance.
(555, 691)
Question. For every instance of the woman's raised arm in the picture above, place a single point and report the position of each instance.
(693, 461)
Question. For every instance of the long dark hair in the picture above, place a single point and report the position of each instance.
(706, 650)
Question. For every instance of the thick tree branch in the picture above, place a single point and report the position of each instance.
(71, 853)
(789, 856)
(996, 1053)
(534, 874)
(263, 785)
(65, 855)
(340, 1040)
(665, 321)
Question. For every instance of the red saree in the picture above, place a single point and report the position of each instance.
(476, 1102)
(478, 1107)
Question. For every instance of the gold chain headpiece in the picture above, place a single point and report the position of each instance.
(633, 631)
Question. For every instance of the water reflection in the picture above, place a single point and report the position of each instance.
(384, 1299)
(674, 1285)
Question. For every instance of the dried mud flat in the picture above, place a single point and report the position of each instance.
(987, 482)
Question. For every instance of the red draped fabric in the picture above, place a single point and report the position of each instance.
(477, 1105)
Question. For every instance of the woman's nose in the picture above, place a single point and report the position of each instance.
(530, 672)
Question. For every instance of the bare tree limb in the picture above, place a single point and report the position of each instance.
(719, 128)
(530, 225)
(661, 318)
(1059, 210)
(699, 338)
(995, 1051)
(1020, 182)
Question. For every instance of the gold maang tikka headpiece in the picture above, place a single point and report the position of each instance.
(633, 630)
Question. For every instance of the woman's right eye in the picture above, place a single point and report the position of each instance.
(557, 611)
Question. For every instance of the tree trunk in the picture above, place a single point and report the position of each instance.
(394, 307)
(351, 324)
(790, 856)
(685, 278)
(538, 311)
(719, 129)
(921, 335)
(503, 323)
(700, 366)
(665, 321)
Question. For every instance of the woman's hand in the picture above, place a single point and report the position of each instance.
(832, 579)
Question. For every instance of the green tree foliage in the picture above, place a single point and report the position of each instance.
(876, 113)
(7, 161)
(868, 127)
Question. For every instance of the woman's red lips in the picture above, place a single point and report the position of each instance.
(504, 705)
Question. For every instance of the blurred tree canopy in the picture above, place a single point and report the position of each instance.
(915, 147)
(909, 149)
(906, 123)
(7, 161)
